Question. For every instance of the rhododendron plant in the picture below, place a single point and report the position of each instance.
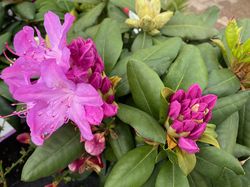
(123, 93)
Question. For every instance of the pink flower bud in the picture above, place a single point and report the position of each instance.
(24, 138)
(95, 146)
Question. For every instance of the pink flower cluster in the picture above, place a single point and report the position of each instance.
(190, 112)
(59, 82)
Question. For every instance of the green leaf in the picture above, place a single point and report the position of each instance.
(157, 57)
(226, 106)
(222, 82)
(246, 178)
(109, 43)
(241, 151)
(3, 39)
(134, 168)
(227, 132)
(232, 34)
(143, 123)
(190, 27)
(188, 68)
(145, 86)
(244, 125)
(89, 18)
(4, 91)
(26, 10)
(124, 4)
(142, 40)
(244, 24)
(209, 55)
(117, 14)
(211, 15)
(186, 161)
(197, 180)
(151, 180)
(58, 151)
(211, 162)
(171, 175)
(123, 140)
(228, 179)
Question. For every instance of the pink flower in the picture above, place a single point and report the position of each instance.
(95, 146)
(31, 52)
(190, 113)
(60, 82)
(54, 99)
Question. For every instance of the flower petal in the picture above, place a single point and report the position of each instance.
(94, 115)
(77, 115)
(174, 110)
(188, 145)
(179, 96)
(210, 99)
(194, 91)
(109, 110)
(95, 146)
(44, 119)
(198, 131)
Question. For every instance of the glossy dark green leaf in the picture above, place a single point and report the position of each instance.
(89, 18)
(145, 86)
(58, 151)
(188, 68)
(246, 177)
(158, 58)
(143, 123)
(26, 10)
(142, 40)
(195, 179)
(134, 168)
(211, 162)
(124, 4)
(171, 175)
(241, 151)
(244, 125)
(209, 55)
(227, 132)
(222, 82)
(123, 140)
(109, 45)
(151, 180)
(116, 13)
(190, 27)
(226, 106)
(228, 179)
(3, 39)
(4, 91)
